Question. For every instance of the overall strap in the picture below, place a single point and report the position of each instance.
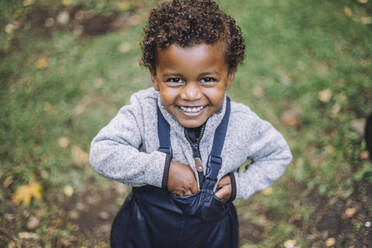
(163, 134)
(215, 160)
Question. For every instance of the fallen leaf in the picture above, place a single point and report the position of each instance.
(325, 95)
(358, 126)
(49, 22)
(363, 1)
(79, 155)
(27, 235)
(73, 214)
(364, 155)
(258, 90)
(124, 47)
(17, 13)
(33, 222)
(68, 190)
(63, 17)
(330, 242)
(42, 63)
(348, 11)
(25, 193)
(292, 116)
(50, 109)
(291, 243)
(104, 215)
(28, 2)
(349, 212)
(63, 142)
(336, 109)
(366, 20)
(66, 2)
(9, 28)
(268, 191)
(8, 181)
(98, 82)
(124, 5)
(68, 241)
(121, 188)
(330, 149)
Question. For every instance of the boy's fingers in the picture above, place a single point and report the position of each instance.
(224, 181)
(224, 193)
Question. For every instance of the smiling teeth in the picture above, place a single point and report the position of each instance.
(192, 110)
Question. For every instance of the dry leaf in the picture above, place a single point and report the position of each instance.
(28, 2)
(348, 11)
(330, 242)
(268, 191)
(258, 90)
(66, 2)
(330, 149)
(63, 18)
(9, 28)
(79, 155)
(124, 5)
(50, 109)
(25, 193)
(104, 215)
(63, 142)
(358, 126)
(291, 116)
(349, 212)
(68, 190)
(8, 181)
(33, 222)
(27, 235)
(325, 95)
(42, 63)
(291, 243)
(366, 20)
(124, 47)
(363, 1)
(364, 155)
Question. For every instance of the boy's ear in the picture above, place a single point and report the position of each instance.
(154, 79)
(230, 78)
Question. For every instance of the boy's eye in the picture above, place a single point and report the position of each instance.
(174, 80)
(208, 80)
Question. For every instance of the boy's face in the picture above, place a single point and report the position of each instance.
(192, 81)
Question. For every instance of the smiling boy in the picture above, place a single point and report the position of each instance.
(180, 143)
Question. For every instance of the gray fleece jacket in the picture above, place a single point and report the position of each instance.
(126, 149)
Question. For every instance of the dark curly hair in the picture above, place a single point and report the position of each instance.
(190, 22)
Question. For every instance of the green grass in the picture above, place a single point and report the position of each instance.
(295, 49)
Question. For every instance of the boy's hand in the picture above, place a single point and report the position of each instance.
(181, 179)
(224, 189)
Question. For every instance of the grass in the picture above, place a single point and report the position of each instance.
(307, 71)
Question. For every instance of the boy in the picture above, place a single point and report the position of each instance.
(180, 143)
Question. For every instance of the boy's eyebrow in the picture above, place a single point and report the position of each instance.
(208, 73)
(172, 75)
(180, 75)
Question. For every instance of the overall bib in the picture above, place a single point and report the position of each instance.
(154, 217)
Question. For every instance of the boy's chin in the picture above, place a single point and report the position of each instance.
(191, 123)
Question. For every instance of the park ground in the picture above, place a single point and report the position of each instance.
(67, 66)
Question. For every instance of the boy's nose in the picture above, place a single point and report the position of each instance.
(191, 92)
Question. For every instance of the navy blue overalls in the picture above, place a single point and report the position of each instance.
(154, 217)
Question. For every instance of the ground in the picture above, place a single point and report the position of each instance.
(67, 67)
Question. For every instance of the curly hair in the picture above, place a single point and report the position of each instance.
(190, 22)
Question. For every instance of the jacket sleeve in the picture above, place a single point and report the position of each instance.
(269, 154)
(115, 151)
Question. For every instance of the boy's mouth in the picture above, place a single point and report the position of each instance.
(192, 110)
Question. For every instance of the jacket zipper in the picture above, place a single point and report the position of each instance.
(197, 156)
